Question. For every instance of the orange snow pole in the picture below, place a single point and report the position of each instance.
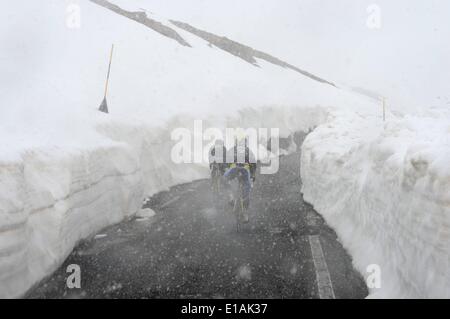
(104, 106)
(109, 70)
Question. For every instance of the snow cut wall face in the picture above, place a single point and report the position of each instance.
(49, 203)
(66, 170)
(386, 192)
(52, 198)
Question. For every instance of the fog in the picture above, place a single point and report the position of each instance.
(405, 59)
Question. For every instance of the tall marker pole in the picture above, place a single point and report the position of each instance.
(104, 106)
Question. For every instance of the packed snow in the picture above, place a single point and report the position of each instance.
(67, 170)
(385, 189)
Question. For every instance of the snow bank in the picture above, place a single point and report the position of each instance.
(66, 170)
(51, 198)
(385, 189)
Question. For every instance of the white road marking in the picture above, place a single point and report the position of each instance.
(312, 219)
(275, 230)
(173, 200)
(323, 279)
(189, 190)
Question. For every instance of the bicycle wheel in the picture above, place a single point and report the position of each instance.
(240, 214)
(239, 208)
(215, 181)
(237, 203)
(236, 213)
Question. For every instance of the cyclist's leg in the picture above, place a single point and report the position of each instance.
(247, 185)
(220, 179)
(245, 189)
(229, 175)
(213, 174)
(222, 168)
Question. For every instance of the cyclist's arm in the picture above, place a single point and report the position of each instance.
(253, 171)
(252, 163)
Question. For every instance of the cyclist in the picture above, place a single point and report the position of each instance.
(217, 160)
(242, 165)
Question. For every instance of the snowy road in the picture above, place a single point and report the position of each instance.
(189, 249)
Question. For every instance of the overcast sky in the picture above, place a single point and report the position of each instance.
(406, 58)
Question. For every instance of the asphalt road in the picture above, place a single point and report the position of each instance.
(190, 249)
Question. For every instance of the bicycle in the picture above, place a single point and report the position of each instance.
(239, 208)
(216, 176)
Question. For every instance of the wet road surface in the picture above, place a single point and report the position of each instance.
(190, 249)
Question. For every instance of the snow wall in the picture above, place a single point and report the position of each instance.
(385, 189)
(66, 170)
(51, 199)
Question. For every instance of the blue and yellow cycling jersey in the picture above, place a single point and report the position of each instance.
(246, 166)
